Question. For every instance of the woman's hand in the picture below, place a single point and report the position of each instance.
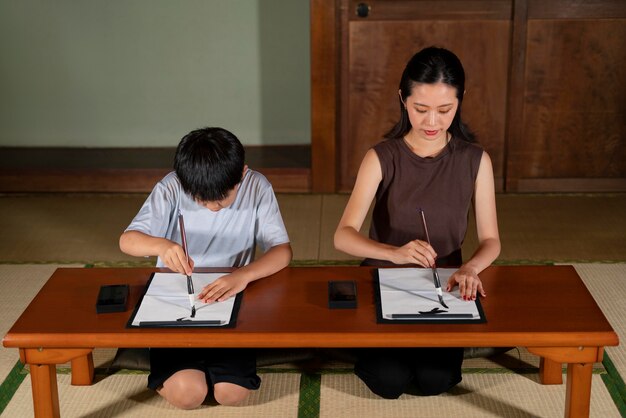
(468, 281)
(414, 252)
(174, 258)
(223, 288)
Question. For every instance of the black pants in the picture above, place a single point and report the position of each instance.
(388, 372)
(232, 365)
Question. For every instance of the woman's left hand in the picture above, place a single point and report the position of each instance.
(469, 283)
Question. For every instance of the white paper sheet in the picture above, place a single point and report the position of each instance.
(167, 300)
(410, 291)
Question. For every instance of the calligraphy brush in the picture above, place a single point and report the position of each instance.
(434, 266)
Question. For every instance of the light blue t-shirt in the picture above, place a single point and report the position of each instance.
(226, 238)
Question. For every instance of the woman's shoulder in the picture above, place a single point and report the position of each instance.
(387, 148)
(386, 144)
(473, 149)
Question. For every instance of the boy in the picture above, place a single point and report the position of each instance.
(228, 210)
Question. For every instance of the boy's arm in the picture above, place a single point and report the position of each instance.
(171, 253)
(275, 259)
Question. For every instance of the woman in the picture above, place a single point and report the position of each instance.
(429, 161)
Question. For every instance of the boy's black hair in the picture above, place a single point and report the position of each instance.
(209, 163)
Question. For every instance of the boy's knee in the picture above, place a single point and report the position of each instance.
(189, 397)
(229, 394)
(185, 390)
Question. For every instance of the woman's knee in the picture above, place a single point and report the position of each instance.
(185, 390)
(431, 382)
(386, 380)
(229, 394)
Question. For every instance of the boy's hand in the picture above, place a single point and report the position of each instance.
(174, 258)
(223, 288)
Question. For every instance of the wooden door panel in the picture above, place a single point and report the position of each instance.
(574, 108)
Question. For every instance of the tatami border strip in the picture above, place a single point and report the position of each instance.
(614, 384)
(614, 391)
(310, 390)
(11, 383)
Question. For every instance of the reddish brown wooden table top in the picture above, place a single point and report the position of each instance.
(538, 306)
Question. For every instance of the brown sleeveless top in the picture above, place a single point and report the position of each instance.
(442, 186)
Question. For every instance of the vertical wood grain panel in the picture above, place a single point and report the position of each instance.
(574, 106)
(515, 97)
(324, 93)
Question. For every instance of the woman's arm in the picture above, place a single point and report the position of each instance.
(488, 237)
(349, 240)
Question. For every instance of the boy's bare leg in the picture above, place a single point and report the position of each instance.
(185, 389)
(229, 393)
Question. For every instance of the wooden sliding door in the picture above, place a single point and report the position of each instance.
(570, 132)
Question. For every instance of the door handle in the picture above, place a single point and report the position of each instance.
(363, 9)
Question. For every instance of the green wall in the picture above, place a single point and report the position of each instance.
(142, 73)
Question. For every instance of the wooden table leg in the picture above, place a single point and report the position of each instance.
(550, 372)
(45, 391)
(82, 370)
(578, 392)
(579, 369)
(43, 363)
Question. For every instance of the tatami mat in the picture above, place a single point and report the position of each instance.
(562, 227)
(18, 286)
(332, 210)
(126, 395)
(607, 284)
(75, 227)
(86, 227)
(301, 214)
(478, 395)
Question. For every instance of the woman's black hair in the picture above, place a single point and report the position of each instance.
(209, 163)
(432, 65)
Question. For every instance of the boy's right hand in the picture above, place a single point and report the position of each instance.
(174, 258)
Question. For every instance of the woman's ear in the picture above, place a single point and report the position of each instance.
(400, 95)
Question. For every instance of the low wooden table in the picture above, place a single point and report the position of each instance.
(547, 309)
